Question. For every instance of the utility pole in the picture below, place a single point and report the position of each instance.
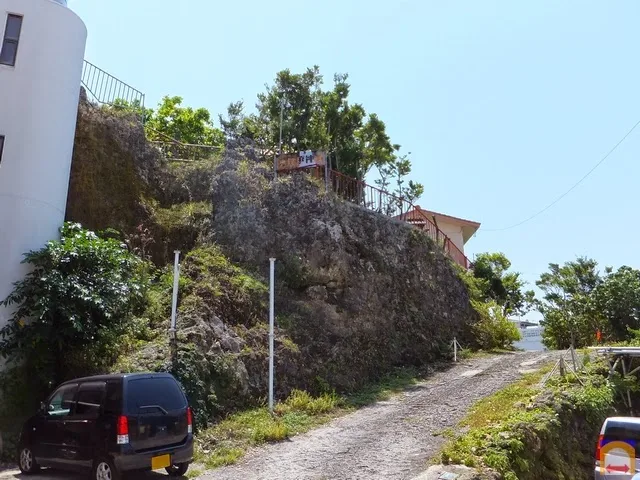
(275, 162)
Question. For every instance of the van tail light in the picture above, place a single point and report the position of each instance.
(599, 447)
(189, 420)
(122, 430)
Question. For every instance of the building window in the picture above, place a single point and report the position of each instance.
(1, 147)
(11, 39)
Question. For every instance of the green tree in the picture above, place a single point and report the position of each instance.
(401, 168)
(494, 330)
(72, 306)
(235, 125)
(186, 125)
(495, 283)
(615, 303)
(131, 108)
(566, 303)
(315, 119)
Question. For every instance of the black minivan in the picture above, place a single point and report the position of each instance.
(109, 425)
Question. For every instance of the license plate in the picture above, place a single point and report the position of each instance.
(158, 463)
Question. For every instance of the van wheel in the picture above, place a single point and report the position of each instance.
(27, 461)
(104, 469)
(177, 470)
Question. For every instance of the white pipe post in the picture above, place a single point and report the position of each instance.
(455, 349)
(176, 282)
(272, 269)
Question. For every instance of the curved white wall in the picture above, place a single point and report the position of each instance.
(38, 109)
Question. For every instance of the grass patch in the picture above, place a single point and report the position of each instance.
(226, 442)
(300, 401)
(500, 405)
(523, 430)
(488, 414)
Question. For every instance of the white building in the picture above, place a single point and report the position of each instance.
(41, 57)
(531, 334)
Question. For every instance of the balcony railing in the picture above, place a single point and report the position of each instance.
(383, 202)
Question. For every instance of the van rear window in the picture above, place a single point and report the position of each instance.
(627, 432)
(152, 393)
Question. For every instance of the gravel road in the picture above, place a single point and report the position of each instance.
(389, 440)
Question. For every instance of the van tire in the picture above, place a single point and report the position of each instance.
(105, 469)
(27, 461)
(177, 470)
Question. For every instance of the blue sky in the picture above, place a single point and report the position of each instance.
(504, 105)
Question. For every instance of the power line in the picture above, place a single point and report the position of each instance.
(568, 191)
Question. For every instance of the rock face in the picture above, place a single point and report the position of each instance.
(358, 293)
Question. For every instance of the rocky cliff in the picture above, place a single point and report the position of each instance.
(357, 293)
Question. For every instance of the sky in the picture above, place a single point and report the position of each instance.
(503, 105)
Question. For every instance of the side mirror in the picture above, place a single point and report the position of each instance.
(43, 408)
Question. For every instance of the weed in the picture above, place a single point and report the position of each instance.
(303, 402)
(270, 432)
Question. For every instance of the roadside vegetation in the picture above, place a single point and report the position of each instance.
(227, 441)
(496, 294)
(534, 429)
(580, 303)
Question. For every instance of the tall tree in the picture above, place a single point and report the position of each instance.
(566, 303)
(318, 119)
(615, 303)
(496, 283)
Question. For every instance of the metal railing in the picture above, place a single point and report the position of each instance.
(383, 202)
(106, 89)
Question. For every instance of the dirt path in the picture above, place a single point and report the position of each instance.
(389, 440)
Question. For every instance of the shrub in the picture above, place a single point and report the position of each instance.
(494, 330)
(73, 306)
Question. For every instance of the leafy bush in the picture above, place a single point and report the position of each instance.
(494, 330)
(73, 306)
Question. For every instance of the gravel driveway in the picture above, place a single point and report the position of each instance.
(389, 440)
